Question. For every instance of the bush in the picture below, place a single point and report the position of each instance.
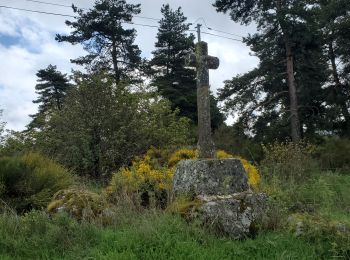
(29, 181)
(288, 161)
(146, 183)
(334, 153)
(82, 205)
(102, 128)
(149, 180)
(182, 154)
(332, 235)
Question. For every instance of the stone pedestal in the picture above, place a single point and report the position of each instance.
(210, 177)
(221, 188)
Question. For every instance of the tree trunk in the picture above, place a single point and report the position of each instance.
(338, 89)
(115, 63)
(294, 115)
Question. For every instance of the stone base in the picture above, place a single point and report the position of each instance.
(210, 177)
(221, 189)
(234, 215)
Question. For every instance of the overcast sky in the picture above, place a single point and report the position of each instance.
(27, 44)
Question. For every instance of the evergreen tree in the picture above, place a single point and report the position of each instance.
(173, 80)
(334, 24)
(170, 75)
(286, 88)
(109, 45)
(52, 88)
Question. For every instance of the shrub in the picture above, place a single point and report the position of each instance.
(29, 181)
(334, 236)
(334, 153)
(149, 180)
(145, 182)
(288, 161)
(182, 154)
(82, 205)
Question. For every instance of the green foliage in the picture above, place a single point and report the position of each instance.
(334, 236)
(334, 153)
(173, 80)
(233, 140)
(52, 88)
(29, 181)
(316, 209)
(153, 235)
(100, 30)
(168, 67)
(288, 161)
(146, 183)
(103, 127)
(286, 31)
(82, 205)
(18, 143)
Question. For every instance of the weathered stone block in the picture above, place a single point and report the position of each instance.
(210, 177)
(234, 215)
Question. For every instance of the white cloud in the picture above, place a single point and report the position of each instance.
(36, 49)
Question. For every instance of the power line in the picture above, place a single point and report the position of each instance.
(49, 3)
(212, 29)
(224, 37)
(36, 11)
(138, 24)
(70, 6)
(220, 36)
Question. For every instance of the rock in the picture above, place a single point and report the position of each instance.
(210, 177)
(235, 215)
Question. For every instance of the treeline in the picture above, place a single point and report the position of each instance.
(300, 88)
(97, 120)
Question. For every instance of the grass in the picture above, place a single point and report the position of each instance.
(152, 235)
(321, 200)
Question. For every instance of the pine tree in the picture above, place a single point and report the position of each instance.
(109, 45)
(52, 88)
(286, 88)
(170, 75)
(334, 24)
(173, 80)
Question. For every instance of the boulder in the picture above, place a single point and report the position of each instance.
(219, 195)
(234, 215)
(210, 177)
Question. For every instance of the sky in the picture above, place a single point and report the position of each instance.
(27, 44)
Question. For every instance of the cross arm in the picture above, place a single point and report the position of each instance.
(212, 62)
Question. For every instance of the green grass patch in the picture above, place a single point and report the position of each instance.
(152, 235)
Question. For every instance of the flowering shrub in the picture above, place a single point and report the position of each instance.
(146, 181)
(149, 180)
(182, 154)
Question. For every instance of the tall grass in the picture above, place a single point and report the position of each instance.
(152, 235)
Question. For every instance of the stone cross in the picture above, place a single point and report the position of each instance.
(203, 62)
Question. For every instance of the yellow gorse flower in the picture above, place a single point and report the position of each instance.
(154, 173)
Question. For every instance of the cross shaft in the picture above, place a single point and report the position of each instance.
(203, 62)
